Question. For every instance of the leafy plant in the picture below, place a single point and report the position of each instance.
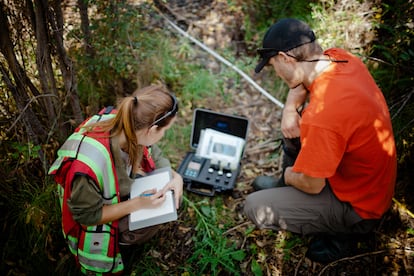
(147, 265)
(346, 24)
(288, 243)
(198, 84)
(176, 141)
(24, 152)
(34, 214)
(393, 70)
(262, 14)
(213, 253)
(256, 269)
(117, 63)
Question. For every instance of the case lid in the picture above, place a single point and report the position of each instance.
(230, 124)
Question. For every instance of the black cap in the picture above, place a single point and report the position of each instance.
(283, 36)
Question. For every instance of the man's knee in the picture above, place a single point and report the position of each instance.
(249, 206)
(257, 211)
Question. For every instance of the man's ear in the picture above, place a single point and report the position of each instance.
(285, 57)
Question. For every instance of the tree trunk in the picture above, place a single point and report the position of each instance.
(65, 63)
(18, 89)
(87, 43)
(93, 106)
(43, 58)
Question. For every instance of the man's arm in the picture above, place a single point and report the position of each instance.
(300, 181)
(290, 117)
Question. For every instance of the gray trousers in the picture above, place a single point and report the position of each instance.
(287, 208)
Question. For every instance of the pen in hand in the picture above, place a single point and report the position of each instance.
(153, 192)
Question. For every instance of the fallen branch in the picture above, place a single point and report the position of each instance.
(403, 104)
(25, 108)
(265, 144)
(236, 227)
(298, 265)
(350, 258)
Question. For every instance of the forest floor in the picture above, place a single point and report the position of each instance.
(390, 251)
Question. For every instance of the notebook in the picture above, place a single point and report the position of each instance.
(165, 212)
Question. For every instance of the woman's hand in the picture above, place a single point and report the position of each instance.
(148, 200)
(152, 198)
(176, 185)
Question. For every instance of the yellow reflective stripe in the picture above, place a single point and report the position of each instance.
(101, 266)
(73, 244)
(56, 165)
(88, 241)
(96, 118)
(94, 254)
(91, 262)
(67, 150)
(60, 192)
(97, 157)
(71, 145)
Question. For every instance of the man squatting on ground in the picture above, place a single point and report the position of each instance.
(339, 163)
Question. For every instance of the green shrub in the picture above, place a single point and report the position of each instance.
(393, 70)
(213, 252)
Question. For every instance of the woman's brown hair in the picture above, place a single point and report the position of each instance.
(146, 107)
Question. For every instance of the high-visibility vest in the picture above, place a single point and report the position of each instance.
(95, 247)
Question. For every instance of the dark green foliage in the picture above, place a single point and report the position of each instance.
(213, 252)
(395, 71)
(111, 67)
(32, 236)
(259, 15)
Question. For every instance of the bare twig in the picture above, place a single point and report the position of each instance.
(350, 258)
(25, 108)
(378, 60)
(407, 125)
(265, 144)
(244, 242)
(403, 104)
(298, 265)
(236, 227)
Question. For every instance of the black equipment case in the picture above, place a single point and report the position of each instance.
(200, 175)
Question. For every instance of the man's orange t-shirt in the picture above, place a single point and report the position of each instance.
(347, 136)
